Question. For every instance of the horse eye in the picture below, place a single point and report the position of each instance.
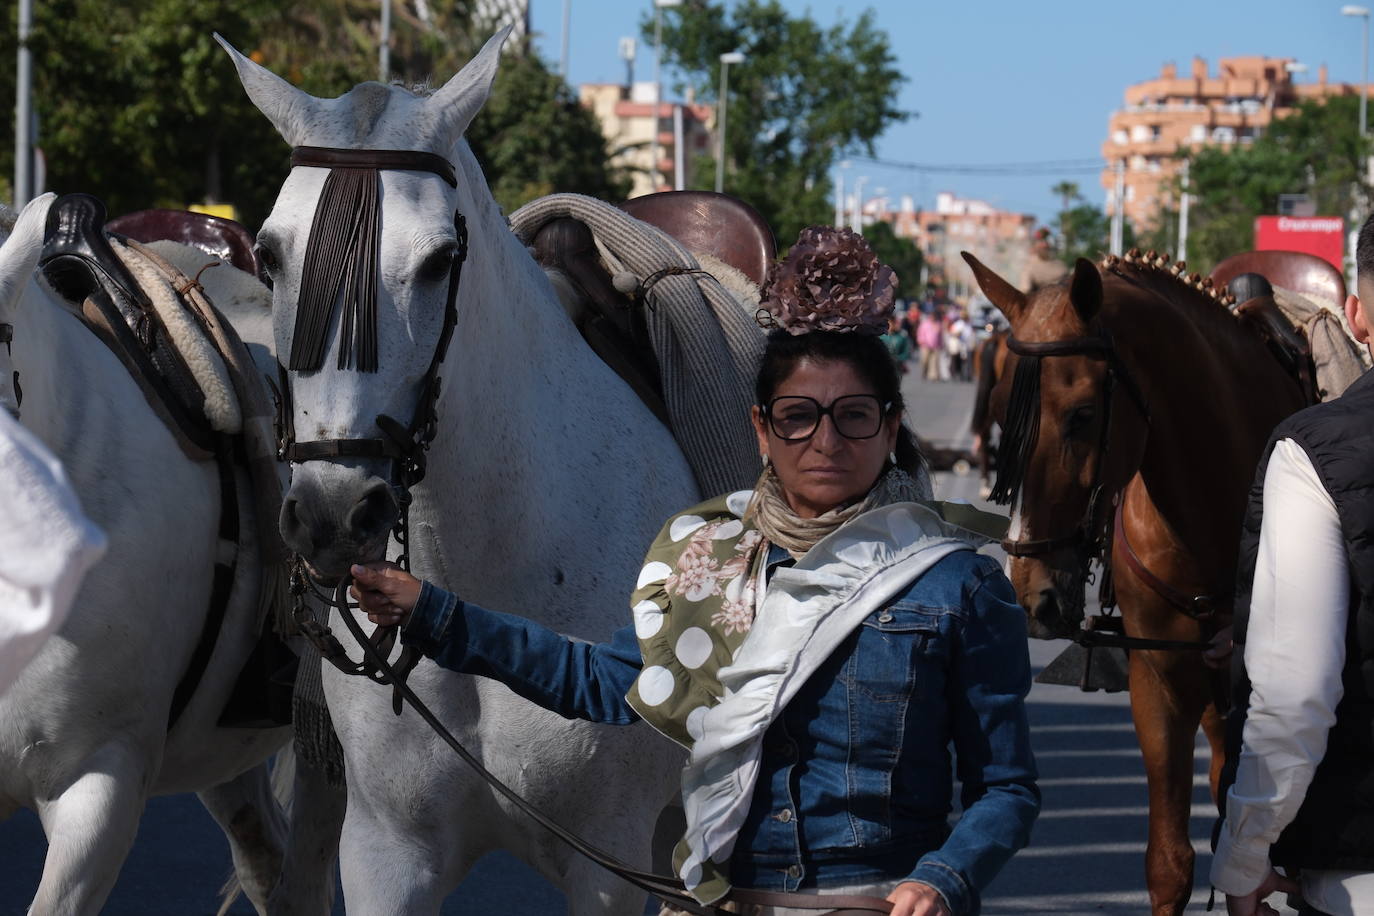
(438, 263)
(1080, 419)
(267, 257)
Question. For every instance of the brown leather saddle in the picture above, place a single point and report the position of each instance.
(80, 265)
(1295, 270)
(613, 323)
(218, 237)
(1290, 346)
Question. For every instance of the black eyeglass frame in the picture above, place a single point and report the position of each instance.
(823, 411)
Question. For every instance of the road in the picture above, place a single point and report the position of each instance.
(1087, 854)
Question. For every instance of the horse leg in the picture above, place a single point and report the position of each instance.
(317, 816)
(1214, 726)
(386, 873)
(1166, 715)
(591, 890)
(90, 827)
(256, 828)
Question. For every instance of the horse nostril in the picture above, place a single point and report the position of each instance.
(372, 515)
(1047, 608)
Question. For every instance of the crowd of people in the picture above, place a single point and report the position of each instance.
(939, 337)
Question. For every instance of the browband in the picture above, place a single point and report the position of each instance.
(404, 160)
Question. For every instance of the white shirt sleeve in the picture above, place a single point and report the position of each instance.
(46, 546)
(1294, 653)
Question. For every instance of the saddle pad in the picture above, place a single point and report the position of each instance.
(188, 336)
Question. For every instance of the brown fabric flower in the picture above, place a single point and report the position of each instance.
(830, 281)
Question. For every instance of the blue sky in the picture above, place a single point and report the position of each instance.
(1010, 80)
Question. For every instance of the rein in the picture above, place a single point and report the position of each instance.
(7, 338)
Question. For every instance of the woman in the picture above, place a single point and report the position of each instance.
(819, 641)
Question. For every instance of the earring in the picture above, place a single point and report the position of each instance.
(765, 460)
(892, 457)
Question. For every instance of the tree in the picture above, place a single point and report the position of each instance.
(802, 96)
(139, 106)
(1084, 230)
(901, 254)
(1316, 150)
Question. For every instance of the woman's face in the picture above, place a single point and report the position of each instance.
(826, 470)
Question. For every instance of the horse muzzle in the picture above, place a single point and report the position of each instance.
(334, 517)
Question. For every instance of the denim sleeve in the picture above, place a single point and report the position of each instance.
(989, 680)
(577, 680)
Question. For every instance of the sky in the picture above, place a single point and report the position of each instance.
(1007, 81)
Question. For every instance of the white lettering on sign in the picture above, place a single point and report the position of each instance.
(1290, 224)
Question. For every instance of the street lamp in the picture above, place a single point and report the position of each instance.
(655, 178)
(857, 223)
(726, 59)
(1363, 13)
(839, 195)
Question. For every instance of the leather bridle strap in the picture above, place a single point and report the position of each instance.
(394, 160)
(1195, 606)
(1096, 346)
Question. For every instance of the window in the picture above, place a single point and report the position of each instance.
(1223, 135)
(1119, 137)
(1198, 133)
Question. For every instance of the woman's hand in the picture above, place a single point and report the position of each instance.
(912, 898)
(1253, 904)
(386, 592)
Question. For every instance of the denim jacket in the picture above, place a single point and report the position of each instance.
(856, 783)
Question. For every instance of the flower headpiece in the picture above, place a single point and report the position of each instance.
(830, 281)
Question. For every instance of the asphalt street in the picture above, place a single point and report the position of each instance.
(1087, 855)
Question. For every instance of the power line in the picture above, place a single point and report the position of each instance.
(1044, 167)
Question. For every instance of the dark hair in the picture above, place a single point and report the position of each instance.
(1364, 252)
(866, 354)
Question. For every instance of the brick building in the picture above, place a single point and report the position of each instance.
(1228, 109)
(1000, 239)
(627, 119)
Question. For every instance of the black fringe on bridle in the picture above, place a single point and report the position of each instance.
(341, 252)
(1020, 431)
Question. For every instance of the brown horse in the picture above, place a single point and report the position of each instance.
(986, 360)
(1134, 407)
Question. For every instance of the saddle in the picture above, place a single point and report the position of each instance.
(1290, 346)
(221, 238)
(81, 266)
(1295, 270)
(613, 325)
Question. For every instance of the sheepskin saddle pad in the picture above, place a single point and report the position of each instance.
(142, 313)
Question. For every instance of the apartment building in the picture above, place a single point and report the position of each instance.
(628, 120)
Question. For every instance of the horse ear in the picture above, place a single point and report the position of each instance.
(287, 107)
(1009, 300)
(19, 255)
(458, 101)
(1085, 292)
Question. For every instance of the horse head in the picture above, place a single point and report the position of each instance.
(18, 258)
(362, 316)
(1070, 439)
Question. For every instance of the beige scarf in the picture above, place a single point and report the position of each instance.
(770, 512)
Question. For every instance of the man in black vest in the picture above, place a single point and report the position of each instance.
(1299, 779)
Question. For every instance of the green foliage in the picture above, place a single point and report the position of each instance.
(1316, 150)
(1084, 230)
(139, 106)
(901, 254)
(534, 138)
(802, 96)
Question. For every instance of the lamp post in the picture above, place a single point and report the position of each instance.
(857, 222)
(1363, 13)
(726, 59)
(839, 195)
(384, 48)
(654, 177)
(23, 111)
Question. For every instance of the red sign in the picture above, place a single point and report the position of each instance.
(1323, 236)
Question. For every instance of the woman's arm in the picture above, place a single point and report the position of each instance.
(577, 680)
(989, 678)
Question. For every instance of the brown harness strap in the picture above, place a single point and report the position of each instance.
(1196, 606)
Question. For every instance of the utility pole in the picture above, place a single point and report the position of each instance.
(567, 24)
(1183, 216)
(1119, 210)
(857, 223)
(839, 195)
(384, 52)
(23, 111)
(726, 59)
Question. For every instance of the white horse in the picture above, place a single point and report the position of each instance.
(546, 483)
(83, 731)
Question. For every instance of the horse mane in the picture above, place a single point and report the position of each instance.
(1153, 271)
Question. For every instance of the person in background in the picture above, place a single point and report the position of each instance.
(929, 337)
(1043, 269)
(898, 343)
(819, 643)
(47, 545)
(1298, 789)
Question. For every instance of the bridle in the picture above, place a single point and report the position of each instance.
(341, 258)
(344, 234)
(1022, 430)
(7, 338)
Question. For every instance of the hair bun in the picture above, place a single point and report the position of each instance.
(830, 281)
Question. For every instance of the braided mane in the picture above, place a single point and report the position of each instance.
(1154, 271)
